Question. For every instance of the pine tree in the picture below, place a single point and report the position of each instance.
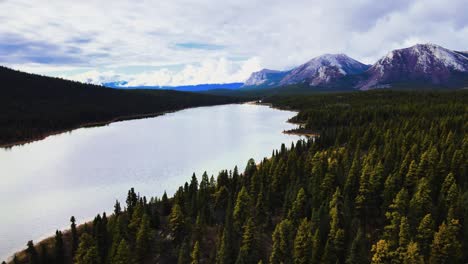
(177, 223)
(248, 250)
(411, 177)
(241, 209)
(425, 233)
(123, 255)
(32, 253)
(358, 252)
(87, 251)
(421, 203)
(412, 255)
(59, 248)
(297, 211)
(117, 208)
(404, 236)
(143, 239)
(334, 248)
(282, 243)
(382, 253)
(195, 256)
(74, 235)
(166, 207)
(445, 247)
(303, 243)
(45, 258)
(224, 252)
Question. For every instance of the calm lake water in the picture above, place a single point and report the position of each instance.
(83, 172)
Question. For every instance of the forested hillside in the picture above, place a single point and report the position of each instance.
(33, 106)
(385, 182)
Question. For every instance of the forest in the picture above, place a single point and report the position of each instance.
(384, 182)
(34, 106)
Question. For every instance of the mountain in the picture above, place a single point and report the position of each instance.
(323, 70)
(421, 64)
(265, 78)
(185, 88)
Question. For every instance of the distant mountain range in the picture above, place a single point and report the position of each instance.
(426, 65)
(184, 88)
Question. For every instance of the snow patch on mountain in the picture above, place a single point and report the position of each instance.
(323, 69)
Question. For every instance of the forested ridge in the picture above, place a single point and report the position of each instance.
(385, 182)
(34, 106)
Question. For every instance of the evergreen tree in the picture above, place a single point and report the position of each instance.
(241, 209)
(59, 248)
(177, 223)
(32, 253)
(117, 208)
(45, 258)
(412, 255)
(382, 253)
(143, 239)
(225, 250)
(123, 255)
(303, 243)
(74, 236)
(425, 233)
(358, 252)
(248, 250)
(298, 209)
(445, 247)
(421, 203)
(87, 251)
(195, 256)
(282, 243)
(404, 236)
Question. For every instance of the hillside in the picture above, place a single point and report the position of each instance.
(384, 182)
(33, 106)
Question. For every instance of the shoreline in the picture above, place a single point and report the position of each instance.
(98, 124)
(66, 231)
(299, 131)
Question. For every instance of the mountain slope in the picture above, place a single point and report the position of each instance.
(323, 70)
(34, 106)
(265, 78)
(420, 64)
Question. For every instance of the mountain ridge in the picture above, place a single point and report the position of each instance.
(422, 64)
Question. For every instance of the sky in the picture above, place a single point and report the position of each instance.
(184, 42)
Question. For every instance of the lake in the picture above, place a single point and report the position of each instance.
(83, 172)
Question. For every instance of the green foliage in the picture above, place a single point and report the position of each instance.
(445, 247)
(242, 208)
(384, 182)
(87, 252)
(195, 256)
(303, 243)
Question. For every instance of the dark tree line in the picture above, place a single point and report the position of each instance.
(385, 182)
(33, 106)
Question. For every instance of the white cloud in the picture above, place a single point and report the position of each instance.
(209, 71)
(103, 35)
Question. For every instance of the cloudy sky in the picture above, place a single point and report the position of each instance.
(180, 42)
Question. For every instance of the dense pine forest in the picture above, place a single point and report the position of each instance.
(34, 106)
(384, 182)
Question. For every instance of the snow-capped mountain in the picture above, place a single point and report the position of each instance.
(324, 69)
(426, 65)
(265, 78)
(419, 64)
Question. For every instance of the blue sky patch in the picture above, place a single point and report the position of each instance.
(198, 45)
